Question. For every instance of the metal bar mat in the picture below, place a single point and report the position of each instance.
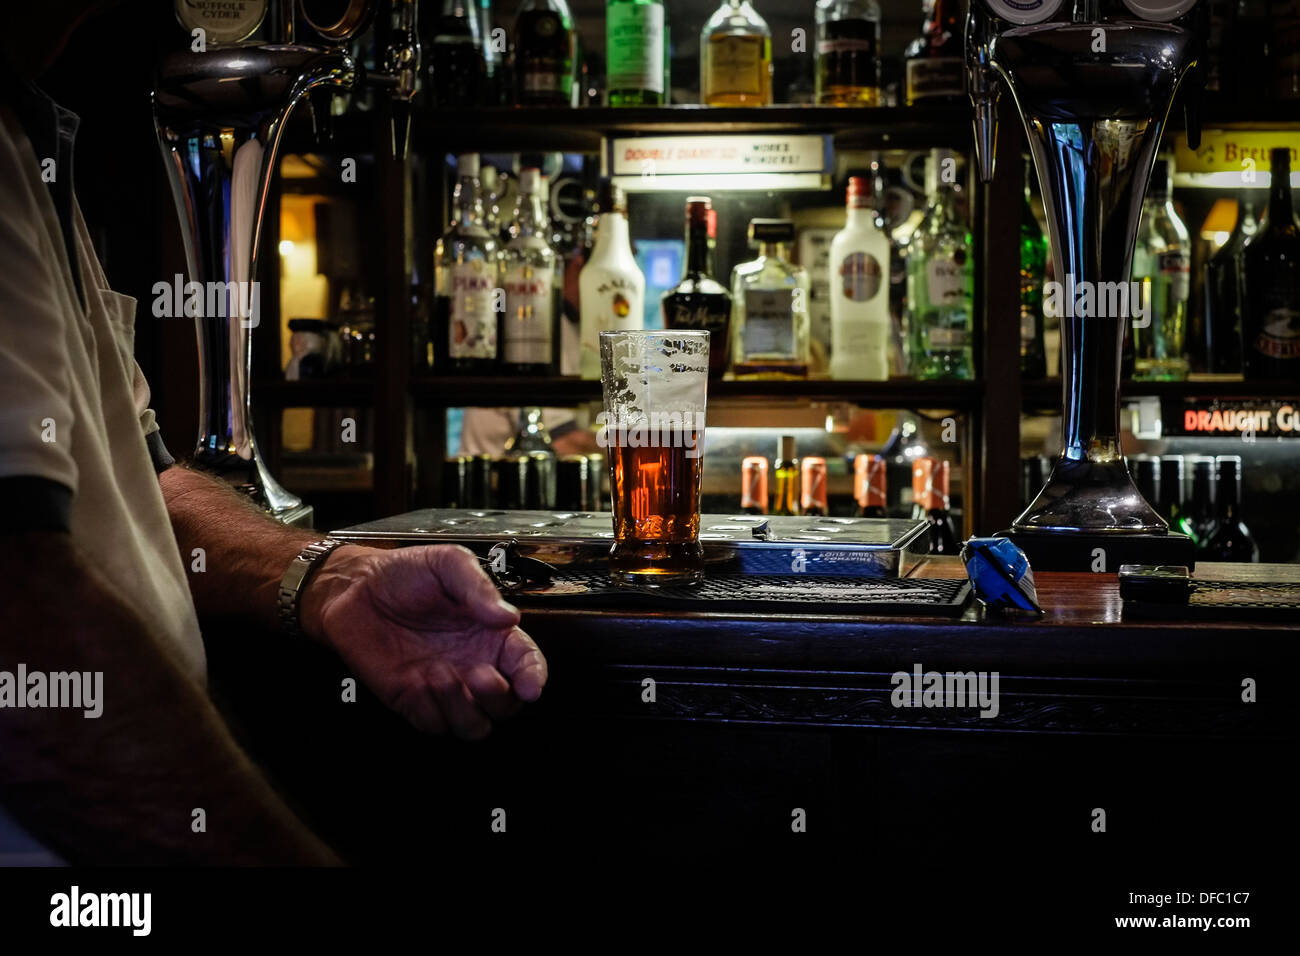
(755, 594)
(1228, 601)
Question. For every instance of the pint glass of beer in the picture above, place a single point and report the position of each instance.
(655, 388)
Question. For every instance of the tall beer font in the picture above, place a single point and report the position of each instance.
(1093, 82)
(220, 109)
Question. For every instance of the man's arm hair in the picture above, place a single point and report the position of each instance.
(122, 788)
(246, 552)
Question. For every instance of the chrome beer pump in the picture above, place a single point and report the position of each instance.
(220, 110)
(1093, 81)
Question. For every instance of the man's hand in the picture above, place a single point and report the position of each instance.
(427, 632)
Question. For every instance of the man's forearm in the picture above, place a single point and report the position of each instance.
(123, 787)
(245, 552)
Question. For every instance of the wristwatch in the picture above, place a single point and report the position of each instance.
(291, 585)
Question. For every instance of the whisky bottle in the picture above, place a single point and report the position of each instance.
(785, 495)
(1270, 315)
(848, 53)
(769, 307)
(699, 301)
(611, 287)
(544, 54)
(467, 263)
(636, 47)
(860, 323)
(529, 327)
(736, 57)
(934, 63)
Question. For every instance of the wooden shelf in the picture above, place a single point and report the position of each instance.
(315, 393)
(456, 391)
(1046, 393)
(581, 130)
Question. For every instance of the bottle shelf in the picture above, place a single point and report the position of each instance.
(1046, 393)
(455, 391)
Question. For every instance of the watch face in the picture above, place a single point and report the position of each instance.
(223, 21)
(1024, 11)
(1162, 10)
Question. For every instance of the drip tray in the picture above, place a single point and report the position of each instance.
(1226, 601)
(755, 594)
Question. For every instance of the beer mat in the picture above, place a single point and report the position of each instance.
(1227, 601)
(810, 594)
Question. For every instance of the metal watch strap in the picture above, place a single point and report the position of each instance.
(291, 585)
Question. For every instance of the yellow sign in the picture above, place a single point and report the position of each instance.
(1234, 151)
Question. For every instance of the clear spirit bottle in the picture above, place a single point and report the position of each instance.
(1162, 263)
(467, 273)
(528, 330)
(940, 280)
(769, 303)
(859, 267)
(736, 57)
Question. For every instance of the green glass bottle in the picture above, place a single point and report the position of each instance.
(941, 280)
(1033, 271)
(636, 45)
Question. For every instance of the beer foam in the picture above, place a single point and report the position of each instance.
(654, 372)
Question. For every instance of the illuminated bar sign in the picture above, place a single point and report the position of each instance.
(1225, 418)
(743, 161)
(1233, 151)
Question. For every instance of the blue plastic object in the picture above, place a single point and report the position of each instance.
(1000, 574)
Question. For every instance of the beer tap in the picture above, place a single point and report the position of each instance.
(220, 110)
(1094, 85)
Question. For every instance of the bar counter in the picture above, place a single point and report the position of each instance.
(756, 717)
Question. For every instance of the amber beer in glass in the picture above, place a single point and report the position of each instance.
(655, 388)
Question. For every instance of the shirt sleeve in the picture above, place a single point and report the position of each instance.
(162, 459)
(36, 417)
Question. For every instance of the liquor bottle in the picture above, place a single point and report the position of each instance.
(531, 435)
(934, 63)
(769, 307)
(735, 57)
(812, 495)
(1199, 520)
(753, 485)
(940, 281)
(1146, 477)
(1270, 312)
(467, 264)
(1223, 294)
(869, 488)
(1033, 272)
(529, 329)
(636, 46)
(699, 301)
(494, 72)
(860, 323)
(611, 287)
(848, 53)
(1232, 540)
(491, 191)
(785, 497)
(1171, 490)
(457, 62)
(1162, 262)
(545, 54)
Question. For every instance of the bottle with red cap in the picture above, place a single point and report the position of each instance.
(699, 301)
(869, 485)
(930, 503)
(859, 280)
(753, 485)
(813, 500)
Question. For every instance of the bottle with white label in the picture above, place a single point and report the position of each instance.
(860, 323)
(636, 47)
(611, 288)
(528, 327)
(940, 280)
(467, 271)
(769, 307)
